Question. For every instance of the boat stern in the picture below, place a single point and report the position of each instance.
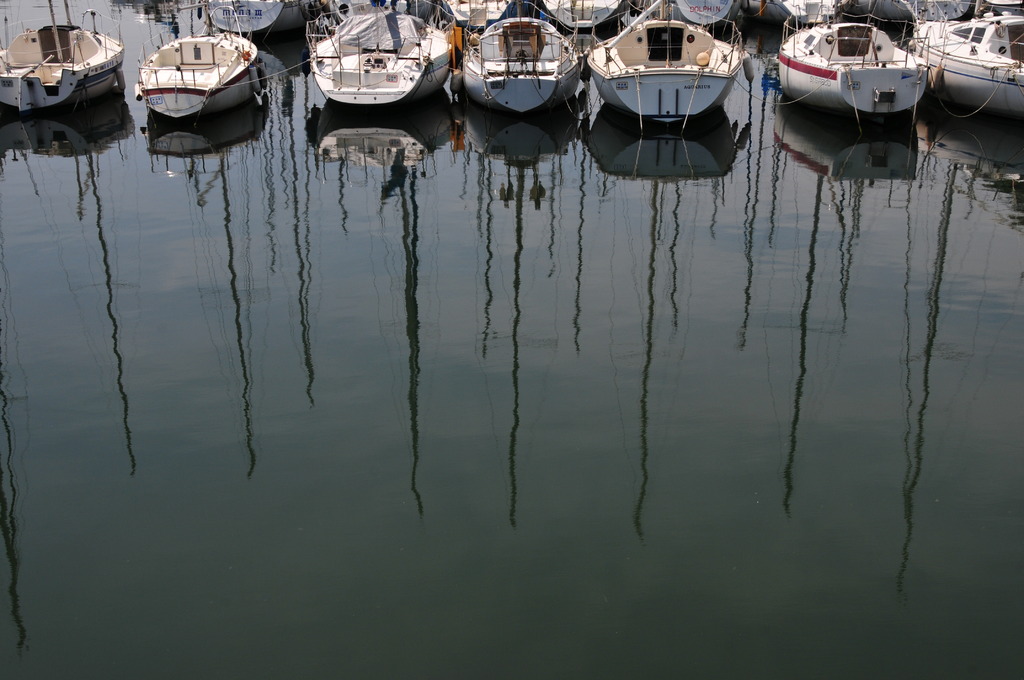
(883, 91)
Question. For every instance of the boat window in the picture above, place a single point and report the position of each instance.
(665, 43)
(57, 48)
(973, 34)
(809, 41)
(196, 53)
(522, 41)
(1015, 34)
(854, 41)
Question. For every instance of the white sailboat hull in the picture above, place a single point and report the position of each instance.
(586, 15)
(966, 86)
(397, 80)
(259, 16)
(909, 11)
(850, 90)
(521, 95)
(792, 12)
(664, 95)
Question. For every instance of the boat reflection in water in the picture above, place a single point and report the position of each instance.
(833, 148)
(520, 138)
(205, 136)
(204, 146)
(399, 144)
(81, 135)
(704, 147)
(512, 150)
(69, 133)
(988, 146)
(382, 138)
(663, 157)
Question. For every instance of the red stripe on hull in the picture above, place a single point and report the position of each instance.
(807, 68)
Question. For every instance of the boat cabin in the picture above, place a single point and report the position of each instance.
(1006, 40)
(519, 41)
(53, 44)
(665, 43)
(197, 54)
(852, 42)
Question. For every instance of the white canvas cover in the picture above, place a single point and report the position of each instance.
(378, 30)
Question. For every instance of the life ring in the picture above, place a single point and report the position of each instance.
(247, 55)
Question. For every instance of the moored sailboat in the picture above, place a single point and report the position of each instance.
(200, 74)
(976, 64)
(59, 65)
(374, 57)
(521, 65)
(851, 69)
(664, 69)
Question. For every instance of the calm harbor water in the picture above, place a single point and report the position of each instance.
(308, 393)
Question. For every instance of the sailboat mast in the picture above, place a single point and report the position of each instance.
(56, 34)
